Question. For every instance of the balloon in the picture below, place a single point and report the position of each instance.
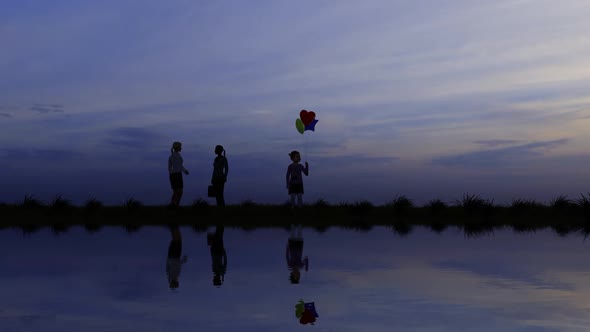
(299, 125)
(306, 117)
(311, 126)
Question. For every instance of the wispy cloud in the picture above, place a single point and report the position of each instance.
(40, 155)
(495, 142)
(47, 108)
(499, 157)
(133, 137)
(5, 115)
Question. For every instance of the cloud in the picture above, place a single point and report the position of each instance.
(47, 108)
(5, 115)
(498, 157)
(495, 142)
(47, 155)
(133, 137)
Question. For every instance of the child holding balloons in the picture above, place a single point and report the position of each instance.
(295, 178)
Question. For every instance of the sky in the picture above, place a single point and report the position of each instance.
(428, 99)
(426, 282)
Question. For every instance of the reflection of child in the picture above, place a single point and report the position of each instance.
(294, 254)
(174, 263)
(295, 179)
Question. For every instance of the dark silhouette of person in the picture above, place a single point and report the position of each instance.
(174, 262)
(218, 256)
(294, 254)
(219, 176)
(176, 168)
(295, 178)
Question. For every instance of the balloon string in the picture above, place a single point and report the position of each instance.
(306, 156)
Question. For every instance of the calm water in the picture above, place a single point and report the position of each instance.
(372, 281)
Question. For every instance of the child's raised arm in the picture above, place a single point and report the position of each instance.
(306, 169)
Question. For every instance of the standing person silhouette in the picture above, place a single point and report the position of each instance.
(218, 256)
(295, 179)
(176, 168)
(219, 176)
(174, 262)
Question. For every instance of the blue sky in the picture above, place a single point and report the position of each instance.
(430, 99)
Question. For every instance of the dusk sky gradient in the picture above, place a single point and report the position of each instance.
(430, 99)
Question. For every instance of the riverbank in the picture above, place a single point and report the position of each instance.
(562, 216)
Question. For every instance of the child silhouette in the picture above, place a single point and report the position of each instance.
(295, 178)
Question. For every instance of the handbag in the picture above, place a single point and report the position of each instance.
(211, 192)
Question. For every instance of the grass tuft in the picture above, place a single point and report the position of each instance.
(200, 206)
(320, 204)
(93, 204)
(30, 203)
(475, 204)
(61, 204)
(584, 204)
(401, 204)
(360, 208)
(131, 204)
(561, 203)
(248, 203)
(436, 206)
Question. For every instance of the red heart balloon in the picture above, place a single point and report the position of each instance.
(306, 117)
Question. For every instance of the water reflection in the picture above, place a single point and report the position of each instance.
(362, 281)
(218, 255)
(294, 254)
(174, 262)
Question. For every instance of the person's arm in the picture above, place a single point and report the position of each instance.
(288, 175)
(170, 164)
(306, 263)
(306, 169)
(184, 169)
(226, 167)
(224, 258)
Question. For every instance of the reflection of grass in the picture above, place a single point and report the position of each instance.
(474, 215)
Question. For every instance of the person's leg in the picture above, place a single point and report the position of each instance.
(292, 199)
(299, 231)
(219, 197)
(299, 200)
(178, 196)
(292, 233)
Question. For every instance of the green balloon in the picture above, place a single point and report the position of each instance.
(300, 126)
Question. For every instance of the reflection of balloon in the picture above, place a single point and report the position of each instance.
(311, 125)
(299, 125)
(306, 117)
(311, 308)
(299, 309)
(307, 318)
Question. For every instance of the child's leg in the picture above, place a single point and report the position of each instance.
(299, 200)
(292, 233)
(292, 199)
(179, 197)
(299, 227)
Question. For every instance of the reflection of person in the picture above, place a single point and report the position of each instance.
(175, 168)
(219, 177)
(174, 262)
(295, 179)
(294, 254)
(218, 256)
